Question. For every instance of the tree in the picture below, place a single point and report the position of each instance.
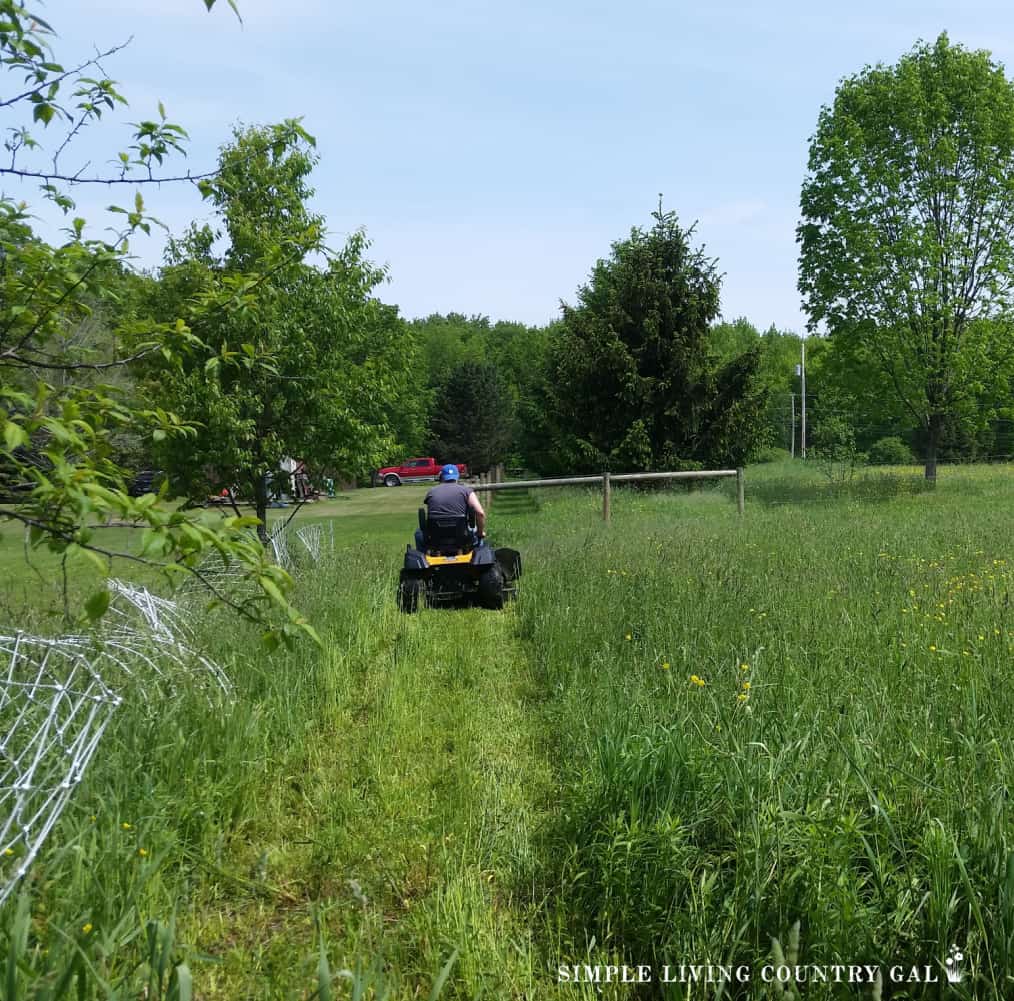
(907, 231)
(447, 341)
(632, 384)
(834, 448)
(308, 367)
(518, 353)
(59, 415)
(473, 418)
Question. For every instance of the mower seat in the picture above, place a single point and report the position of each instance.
(446, 536)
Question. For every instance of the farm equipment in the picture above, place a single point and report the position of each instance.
(451, 565)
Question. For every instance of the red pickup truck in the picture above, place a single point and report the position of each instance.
(413, 471)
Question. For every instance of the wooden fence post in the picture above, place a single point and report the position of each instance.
(740, 490)
(605, 497)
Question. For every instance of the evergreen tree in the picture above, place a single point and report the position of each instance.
(632, 384)
(473, 419)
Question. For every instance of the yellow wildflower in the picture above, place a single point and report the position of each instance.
(627, 637)
(665, 666)
(143, 852)
(742, 697)
(694, 680)
(744, 667)
(746, 686)
(86, 928)
(125, 826)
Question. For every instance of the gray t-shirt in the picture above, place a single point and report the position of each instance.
(448, 500)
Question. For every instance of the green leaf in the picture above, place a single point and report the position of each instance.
(43, 113)
(438, 984)
(312, 633)
(324, 977)
(272, 590)
(97, 605)
(15, 436)
(183, 986)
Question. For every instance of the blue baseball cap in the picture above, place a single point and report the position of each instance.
(449, 472)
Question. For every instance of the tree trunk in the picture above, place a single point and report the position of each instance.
(261, 506)
(934, 432)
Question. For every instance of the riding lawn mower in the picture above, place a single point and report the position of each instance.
(452, 565)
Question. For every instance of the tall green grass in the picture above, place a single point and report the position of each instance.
(801, 716)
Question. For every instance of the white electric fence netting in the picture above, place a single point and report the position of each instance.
(54, 706)
(58, 695)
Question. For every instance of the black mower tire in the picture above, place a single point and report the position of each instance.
(411, 595)
(491, 587)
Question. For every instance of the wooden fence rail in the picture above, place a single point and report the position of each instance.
(607, 479)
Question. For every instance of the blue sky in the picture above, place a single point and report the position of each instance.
(493, 151)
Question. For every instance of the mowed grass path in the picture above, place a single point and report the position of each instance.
(690, 733)
(406, 805)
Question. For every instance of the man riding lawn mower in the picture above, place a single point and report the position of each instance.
(452, 562)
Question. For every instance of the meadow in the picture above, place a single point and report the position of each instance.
(694, 739)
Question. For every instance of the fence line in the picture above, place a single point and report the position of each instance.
(607, 479)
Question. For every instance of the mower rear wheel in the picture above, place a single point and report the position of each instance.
(491, 587)
(411, 595)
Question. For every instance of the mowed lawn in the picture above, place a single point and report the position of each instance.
(691, 735)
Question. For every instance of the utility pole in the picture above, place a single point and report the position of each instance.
(802, 443)
(801, 372)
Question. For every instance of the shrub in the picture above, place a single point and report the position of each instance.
(891, 451)
(768, 453)
(833, 445)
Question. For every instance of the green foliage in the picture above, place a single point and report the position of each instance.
(448, 341)
(66, 413)
(768, 453)
(833, 447)
(518, 353)
(907, 231)
(473, 417)
(890, 451)
(307, 364)
(630, 383)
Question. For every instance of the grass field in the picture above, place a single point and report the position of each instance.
(690, 733)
